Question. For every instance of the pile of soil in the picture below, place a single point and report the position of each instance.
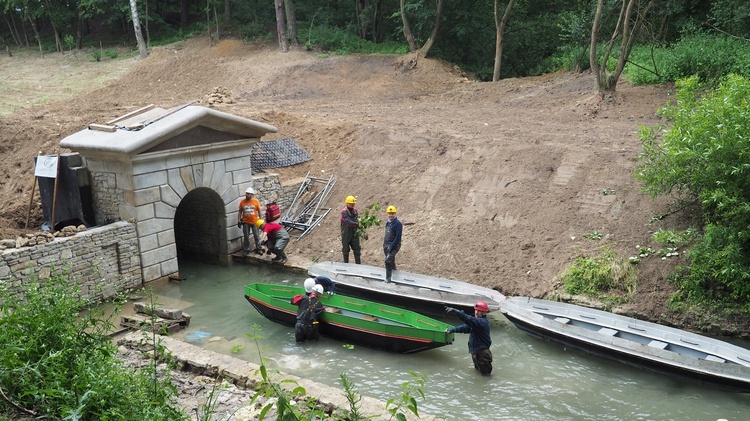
(498, 184)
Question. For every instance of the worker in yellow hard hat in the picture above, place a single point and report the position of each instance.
(349, 226)
(391, 241)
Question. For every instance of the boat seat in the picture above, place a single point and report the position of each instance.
(370, 318)
(607, 331)
(658, 344)
(562, 320)
(714, 358)
(333, 309)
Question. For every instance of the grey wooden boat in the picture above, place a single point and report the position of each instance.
(643, 344)
(406, 290)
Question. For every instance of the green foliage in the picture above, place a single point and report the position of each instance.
(603, 274)
(706, 155)
(111, 53)
(61, 364)
(407, 401)
(342, 42)
(96, 54)
(368, 219)
(710, 57)
(291, 402)
(68, 42)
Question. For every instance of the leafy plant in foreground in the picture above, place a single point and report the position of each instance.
(59, 363)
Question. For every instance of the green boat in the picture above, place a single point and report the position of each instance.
(354, 320)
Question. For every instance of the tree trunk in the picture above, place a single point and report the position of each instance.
(137, 29)
(407, 30)
(291, 21)
(36, 34)
(500, 26)
(606, 81)
(184, 13)
(227, 12)
(280, 26)
(431, 40)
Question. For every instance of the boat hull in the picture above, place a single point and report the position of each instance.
(407, 290)
(360, 322)
(641, 344)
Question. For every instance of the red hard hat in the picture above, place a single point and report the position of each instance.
(481, 306)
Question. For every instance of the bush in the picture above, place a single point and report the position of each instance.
(704, 158)
(709, 57)
(598, 275)
(60, 363)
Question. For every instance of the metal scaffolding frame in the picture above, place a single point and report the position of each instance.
(306, 210)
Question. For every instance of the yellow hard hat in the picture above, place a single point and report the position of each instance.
(259, 222)
(351, 199)
(390, 209)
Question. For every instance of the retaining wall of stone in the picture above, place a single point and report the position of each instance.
(104, 260)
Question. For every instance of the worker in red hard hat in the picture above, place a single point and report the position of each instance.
(478, 328)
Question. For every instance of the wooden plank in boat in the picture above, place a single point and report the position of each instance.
(563, 320)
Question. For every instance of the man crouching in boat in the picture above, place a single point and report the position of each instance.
(307, 314)
(478, 328)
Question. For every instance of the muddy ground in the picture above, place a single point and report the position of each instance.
(499, 184)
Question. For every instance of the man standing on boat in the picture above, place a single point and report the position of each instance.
(478, 328)
(349, 225)
(391, 241)
(328, 285)
(309, 309)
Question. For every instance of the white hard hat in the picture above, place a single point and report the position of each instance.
(318, 289)
(249, 190)
(309, 283)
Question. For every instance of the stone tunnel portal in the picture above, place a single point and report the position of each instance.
(200, 226)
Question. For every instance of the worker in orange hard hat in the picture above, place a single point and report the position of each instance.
(478, 328)
(349, 226)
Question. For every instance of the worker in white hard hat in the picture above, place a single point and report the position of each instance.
(327, 283)
(306, 327)
(247, 217)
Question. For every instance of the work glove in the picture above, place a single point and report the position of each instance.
(239, 225)
(450, 310)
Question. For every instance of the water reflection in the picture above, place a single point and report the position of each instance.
(532, 379)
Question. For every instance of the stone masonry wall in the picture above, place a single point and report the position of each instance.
(104, 260)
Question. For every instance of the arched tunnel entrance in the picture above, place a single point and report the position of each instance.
(200, 226)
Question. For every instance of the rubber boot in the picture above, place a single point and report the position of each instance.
(388, 274)
(283, 257)
(346, 257)
(357, 259)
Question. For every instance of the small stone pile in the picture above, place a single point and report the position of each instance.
(220, 95)
(34, 239)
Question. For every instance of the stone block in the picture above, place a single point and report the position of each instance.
(170, 196)
(148, 242)
(208, 174)
(152, 179)
(153, 226)
(237, 163)
(164, 210)
(242, 176)
(176, 182)
(145, 196)
(186, 174)
(158, 256)
(166, 237)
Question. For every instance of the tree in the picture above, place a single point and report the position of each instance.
(500, 25)
(281, 26)
(628, 24)
(137, 28)
(291, 21)
(425, 49)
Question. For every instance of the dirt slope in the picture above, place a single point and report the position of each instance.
(497, 184)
